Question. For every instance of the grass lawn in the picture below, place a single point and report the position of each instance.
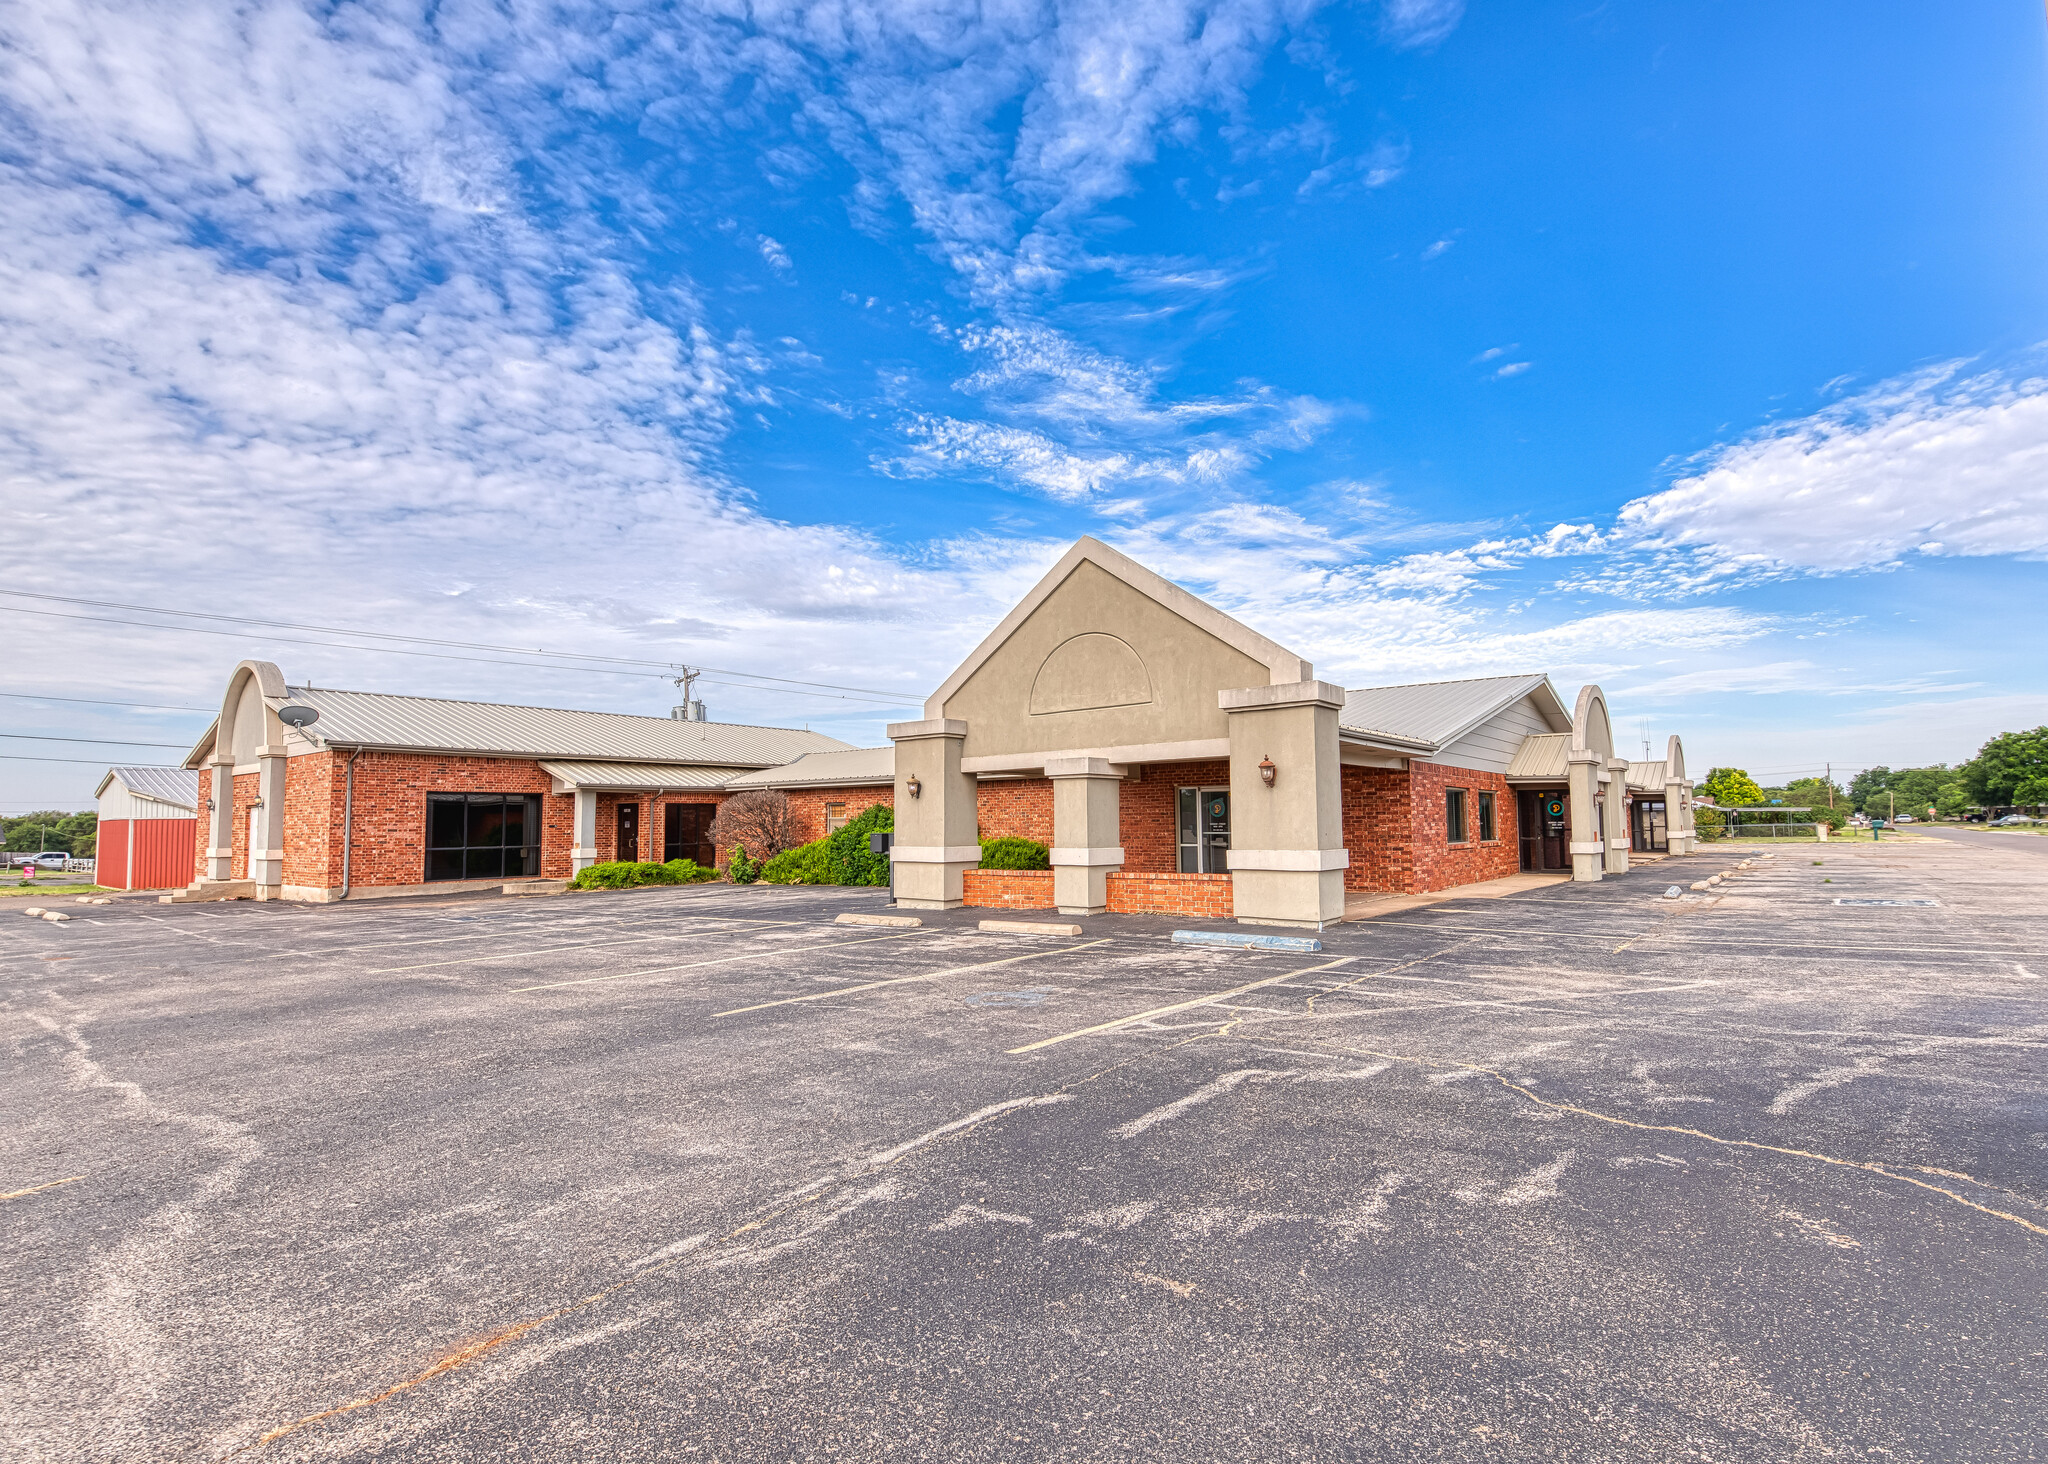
(51, 887)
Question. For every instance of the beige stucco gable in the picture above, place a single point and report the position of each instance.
(1098, 658)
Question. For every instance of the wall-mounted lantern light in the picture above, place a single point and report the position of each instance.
(1267, 772)
(913, 787)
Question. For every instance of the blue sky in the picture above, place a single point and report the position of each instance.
(1694, 349)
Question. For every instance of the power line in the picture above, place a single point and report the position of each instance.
(430, 655)
(432, 641)
(98, 762)
(102, 741)
(90, 702)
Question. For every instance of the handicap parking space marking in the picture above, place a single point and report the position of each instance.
(926, 976)
(723, 960)
(1181, 1006)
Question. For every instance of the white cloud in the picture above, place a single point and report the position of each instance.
(776, 255)
(1375, 168)
(1416, 23)
(1514, 368)
(1938, 464)
(1437, 251)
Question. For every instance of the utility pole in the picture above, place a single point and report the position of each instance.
(1831, 786)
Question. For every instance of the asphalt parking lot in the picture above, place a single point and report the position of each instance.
(1581, 1174)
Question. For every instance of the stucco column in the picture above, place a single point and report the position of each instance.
(1583, 777)
(266, 831)
(1086, 833)
(583, 852)
(1287, 855)
(1620, 833)
(220, 848)
(935, 842)
(1677, 820)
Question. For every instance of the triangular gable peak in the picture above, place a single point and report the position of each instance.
(1106, 657)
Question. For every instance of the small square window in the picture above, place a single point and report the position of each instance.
(835, 817)
(1454, 815)
(1487, 832)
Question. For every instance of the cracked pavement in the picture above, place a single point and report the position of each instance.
(1581, 1174)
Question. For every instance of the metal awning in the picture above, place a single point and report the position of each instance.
(635, 777)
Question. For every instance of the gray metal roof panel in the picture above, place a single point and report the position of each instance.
(1541, 756)
(851, 768)
(374, 719)
(1435, 712)
(1647, 775)
(176, 786)
(649, 777)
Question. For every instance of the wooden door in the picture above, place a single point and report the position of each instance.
(628, 846)
(686, 833)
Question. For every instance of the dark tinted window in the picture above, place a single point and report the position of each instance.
(482, 835)
(1454, 814)
(1486, 831)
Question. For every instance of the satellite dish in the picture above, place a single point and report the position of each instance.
(299, 717)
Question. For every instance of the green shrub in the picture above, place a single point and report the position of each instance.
(850, 861)
(806, 864)
(619, 874)
(1708, 823)
(740, 869)
(623, 874)
(1014, 853)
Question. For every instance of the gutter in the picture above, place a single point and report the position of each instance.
(348, 808)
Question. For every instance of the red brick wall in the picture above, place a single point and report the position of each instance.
(807, 806)
(1009, 889)
(1146, 813)
(389, 826)
(1202, 896)
(1440, 864)
(1015, 808)
(1379, 829)
(245, 795)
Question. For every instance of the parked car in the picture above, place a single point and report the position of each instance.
(49, 859)
(1906, 818)
(1975, 817)
(2012, 820)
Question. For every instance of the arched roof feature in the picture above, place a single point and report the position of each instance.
(1674, 760)
(1591, 731)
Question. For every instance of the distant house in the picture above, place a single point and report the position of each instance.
(148, 820)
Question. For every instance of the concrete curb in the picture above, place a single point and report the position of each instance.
(904, 921)
(1029, 927)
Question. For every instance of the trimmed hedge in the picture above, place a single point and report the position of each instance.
(1014, 853)
(621, 874)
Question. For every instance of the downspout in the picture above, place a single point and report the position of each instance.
(348, 808)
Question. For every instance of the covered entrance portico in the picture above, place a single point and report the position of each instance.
(1107, 675)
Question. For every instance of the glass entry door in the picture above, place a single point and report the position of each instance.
(1651, 836)
(1545, 829)
(1204, 831)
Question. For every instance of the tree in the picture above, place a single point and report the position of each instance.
(2011, 768)
(1732, 788)
(1867, 789)
(1813, 793)
(1915, 790)
(760, 819)
(1951, 799)
(69, 833)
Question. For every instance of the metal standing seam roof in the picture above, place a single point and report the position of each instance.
(432, 724)
(641, 777)
(1541, 756)
(1648, 775)
(1433, 712)
(178, 787)
(851, 768)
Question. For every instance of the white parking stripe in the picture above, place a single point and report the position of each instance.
(720, 961)
(900, 980)
(1180, 1006)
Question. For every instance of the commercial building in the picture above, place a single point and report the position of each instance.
(1191, 765)
(1174, 760)
(393, 795)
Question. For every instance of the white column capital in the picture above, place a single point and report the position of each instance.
(1287, 694)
